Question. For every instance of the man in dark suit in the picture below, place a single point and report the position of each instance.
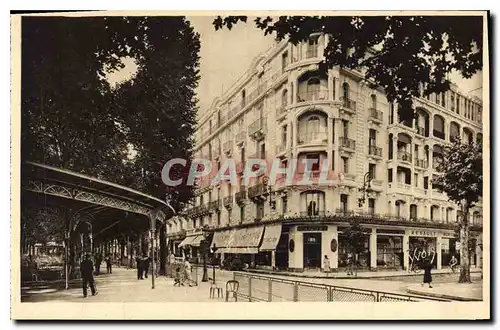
(86, 269)
(140, 263)
(98, 261)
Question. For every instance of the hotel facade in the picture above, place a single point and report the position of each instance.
(284, 108)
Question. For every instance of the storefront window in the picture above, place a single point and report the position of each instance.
(422, 248)
(363, 258)
(389, 251)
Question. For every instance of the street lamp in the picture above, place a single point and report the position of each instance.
(366, 189)
(213, 250)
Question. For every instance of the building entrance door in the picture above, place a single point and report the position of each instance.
(312, 250)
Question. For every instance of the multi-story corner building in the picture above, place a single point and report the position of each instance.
(283, 107)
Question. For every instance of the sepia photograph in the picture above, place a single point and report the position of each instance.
(248, 161)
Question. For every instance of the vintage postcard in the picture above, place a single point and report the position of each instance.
(250, 165)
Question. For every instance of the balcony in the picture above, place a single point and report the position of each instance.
(240, 137)
(404, 186)
(312, 52)
(257, 191)
(375, 151)
(341, 211)
(314, 138)
(312, 213)
(312, 96)
(257, 129)
(348, 105)
(421, 163)
(404, 156)
(228, 202)
(227, 146)
(214, 205)
(376, 115)
(240, 196)
(347, 144)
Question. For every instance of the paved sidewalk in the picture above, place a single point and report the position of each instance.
(361, 275)
(453, 291)
(121, 286)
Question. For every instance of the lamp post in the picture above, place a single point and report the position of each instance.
(366, 189)
(204, 248)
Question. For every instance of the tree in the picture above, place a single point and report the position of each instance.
(399, 53)
(461, 179)
(355, 239)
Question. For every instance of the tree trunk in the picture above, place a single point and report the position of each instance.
(464, 246)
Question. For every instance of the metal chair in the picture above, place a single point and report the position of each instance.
(214, 288)
(232, 286)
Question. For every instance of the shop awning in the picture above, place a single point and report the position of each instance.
(272, 234)
(192, 240)
(196, 240)
(242, 240)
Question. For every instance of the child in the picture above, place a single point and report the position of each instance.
(177, 278)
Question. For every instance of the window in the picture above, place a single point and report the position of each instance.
(398, 209)
(426, 182)
(372, 142)
(443, 99)
(438, 127)
(312, 49)
(263, 151)
(452, 101)
(284, 205)
(371, 205)
(417, 149)
(345, 126)
(209, 196)
(415, 179)
(333, 88)
(201, 199)
(333, 160)
(372, 169)
(243, 98)
(229, 189)
(242, 213)
(284, 135)
(345, 164)
(284, 61)
(218, 218)
(260, 210)
(313, 201)
(284, 98)
(454, 130)
(413, 212)
(391, 114)
(374, 101)
(343, 202)
(458, 104)
(313, 88)
(316, 159)
(345, 91)
(391, 146)
(389, 175)
(312, 128)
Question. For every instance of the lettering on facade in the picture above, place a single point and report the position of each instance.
(312, 228)
(420, 254)
(425, 233)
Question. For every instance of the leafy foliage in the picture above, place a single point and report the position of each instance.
(399, 53)
(355, 238)
(461, 170)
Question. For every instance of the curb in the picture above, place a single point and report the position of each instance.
(302, 275)
(441, 295)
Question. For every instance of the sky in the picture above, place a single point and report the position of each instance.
(225, 55)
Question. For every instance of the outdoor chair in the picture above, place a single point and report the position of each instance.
(214, 288)
(232, 286)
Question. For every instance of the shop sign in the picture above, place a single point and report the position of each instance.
(390, 231)
(424, 233)
(312, 228)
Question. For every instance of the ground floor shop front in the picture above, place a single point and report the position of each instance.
(303, 247)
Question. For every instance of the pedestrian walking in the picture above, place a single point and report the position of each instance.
(427, 267)
(146, 263)
(98, 261)
(453, 263)
(349, 264)
(86, 270)
(187, 272)
(109, 269)
(326, 265)
(177, 277)
(139, 267)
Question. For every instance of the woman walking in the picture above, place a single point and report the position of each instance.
(427, 267)
(326, 265)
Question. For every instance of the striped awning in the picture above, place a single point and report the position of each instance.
(191, 240)
(272, 235)
(241, 240)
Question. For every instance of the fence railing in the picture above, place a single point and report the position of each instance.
(270, 289)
